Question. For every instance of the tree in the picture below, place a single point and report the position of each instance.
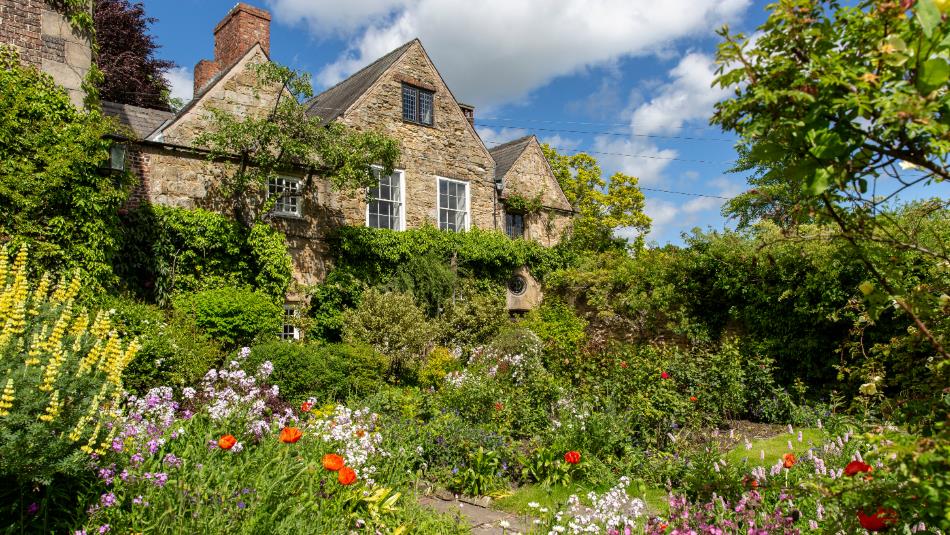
(126, 56)
(288, 137)
(53, 194)
(841, 109)
(603, 206)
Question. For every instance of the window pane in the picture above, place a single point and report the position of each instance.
(409, 103)
(385, 203)
(425, 107)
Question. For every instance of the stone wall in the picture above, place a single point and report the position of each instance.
(45, 39)
(450, 148)
(529, 176)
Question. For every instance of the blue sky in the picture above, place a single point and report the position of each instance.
(627, 80)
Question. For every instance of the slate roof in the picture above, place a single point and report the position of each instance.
(141, 121)
(507, 154)
(333, 102)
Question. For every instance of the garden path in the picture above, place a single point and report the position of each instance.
(483, 520)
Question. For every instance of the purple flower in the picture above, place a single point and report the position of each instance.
(104, 528)
(160, 479)
(107, 500)
(241, 505)
(172, 461)
(32, 508)
(136, 458)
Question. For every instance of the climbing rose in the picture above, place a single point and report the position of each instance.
(788, 460)
(664, 375)
(857, 467)
(227, 442)
(332, 462)
(879, 521)
(346, 476)
(290, 435)
(572, 457)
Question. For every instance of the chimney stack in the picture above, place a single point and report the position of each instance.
(243, 27)
(469, 112)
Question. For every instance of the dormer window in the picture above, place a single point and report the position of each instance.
(417, 105)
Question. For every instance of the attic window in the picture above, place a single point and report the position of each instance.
(417, 105)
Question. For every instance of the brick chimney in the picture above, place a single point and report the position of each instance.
(243, 27)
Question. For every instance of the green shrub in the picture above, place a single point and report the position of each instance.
(233, 316)
(439, 363)
(170, 250)
(174, 352)
(53, 195)
(393, 324)
(474, 317)
(428, 279)
(561, 332)
(321, 371)
(61, 387)
(338, 291)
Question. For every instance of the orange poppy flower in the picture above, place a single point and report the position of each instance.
(306, 406)
(693, 399)
(227, 442)
(788, 460)
(289, 435)
(332, 462)
(346, 476)
(572, 457)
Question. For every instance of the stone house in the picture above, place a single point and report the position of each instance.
(44, 38)
(446, 176)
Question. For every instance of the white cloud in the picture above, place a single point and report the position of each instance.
(687, 97)
(181, 82)
(492, 137)
(636, 157)
(561, 143)
(497, 51)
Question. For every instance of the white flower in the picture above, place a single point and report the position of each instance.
(534, 505)
(504, 524)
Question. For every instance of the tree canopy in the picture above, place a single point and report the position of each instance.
(126, 56)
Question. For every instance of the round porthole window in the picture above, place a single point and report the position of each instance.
(517, 285)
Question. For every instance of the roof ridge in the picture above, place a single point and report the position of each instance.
(364, 68)
(507, 144)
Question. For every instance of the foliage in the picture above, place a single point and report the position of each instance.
(519, 204)
(561, 333)
(320, 371)
(371, 254)
(602, 205)
(234, 316)
(475, 315)
(546, 465)
(394, 325)
(847, 104)
(126, 56)
(174, 351)
(338, 291)
(479, 475)
(428, 279)
(438, 364)
(290, 137)
(53, 194)
(62, 381)
(167, 250)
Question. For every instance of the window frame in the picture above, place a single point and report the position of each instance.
(298, 195)
(468, 202)
(293, 311)
(508, 220)
(417, 107)
(402, 198)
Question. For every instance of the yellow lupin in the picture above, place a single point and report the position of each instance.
(6, 399)
(53, 409)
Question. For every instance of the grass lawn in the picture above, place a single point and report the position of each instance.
(775, 447)
(555, 498)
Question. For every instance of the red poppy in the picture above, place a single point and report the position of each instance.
(664, 375)
(346, 476)
(788, 460)
(499, 406)
(306, 406)
(332, 462)
(289, 435)
(572, 457)
(857, 467)
(662, 527)
(227, 442)
(879, 521)
(693, 399)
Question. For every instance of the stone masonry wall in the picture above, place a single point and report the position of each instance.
(45, 39)
(529, 176)
(448, 149)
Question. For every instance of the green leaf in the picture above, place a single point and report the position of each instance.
(826, 144)
(928, 15)
(932, 75)
(820, 181)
